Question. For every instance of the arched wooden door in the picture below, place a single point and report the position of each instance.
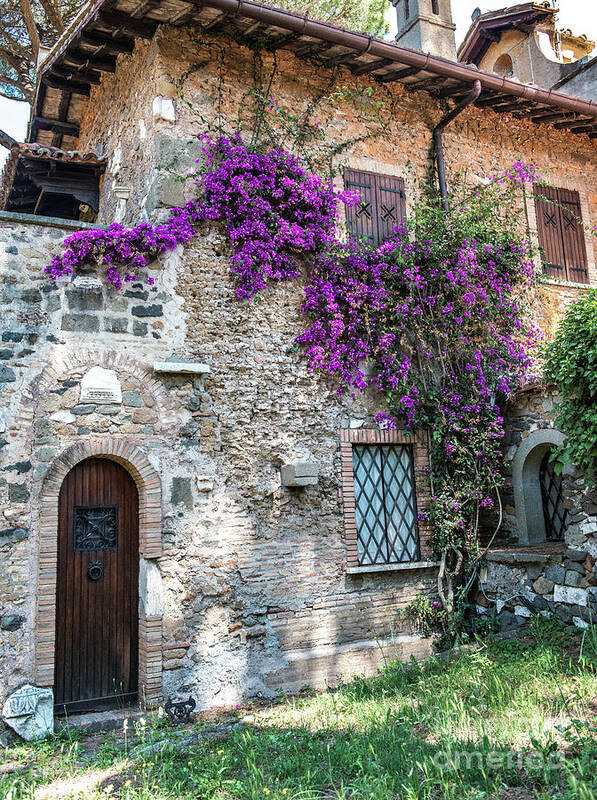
(97, 587)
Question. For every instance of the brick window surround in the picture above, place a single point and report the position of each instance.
(148, 484)
(348, 438)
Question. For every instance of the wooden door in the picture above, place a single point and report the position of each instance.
(97, 587)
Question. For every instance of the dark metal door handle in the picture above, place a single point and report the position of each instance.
(95, 570)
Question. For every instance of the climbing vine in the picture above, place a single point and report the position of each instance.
(571, 363)
(433, 320)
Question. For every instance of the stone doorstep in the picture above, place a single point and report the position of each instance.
(98, 721)
(520, 557)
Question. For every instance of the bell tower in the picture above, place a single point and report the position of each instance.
(426, 25)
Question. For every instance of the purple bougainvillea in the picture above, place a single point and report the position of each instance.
(433, 319)
(274, 212)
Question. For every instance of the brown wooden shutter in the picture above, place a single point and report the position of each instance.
(382, 206)
(573, 235)
(391, 205)
(561, 234)
(549, 228)
(361, 219)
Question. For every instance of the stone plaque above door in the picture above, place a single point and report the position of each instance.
(100, 385)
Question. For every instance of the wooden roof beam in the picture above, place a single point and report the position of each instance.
(282, 41)
(47, 124)
(397, 75)
(578, 126)
(119, 21)
(88, 60)
(312, 49)
(552, 116)
(107, 43)
(426, 83)
(55, 82)
(79, 73)
(520, 106)
(216, 22)
(185, 15)
(370, 66)
(144, 7)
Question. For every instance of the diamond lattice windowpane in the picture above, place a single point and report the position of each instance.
(399, 502)
(385, 504)
(554, 512)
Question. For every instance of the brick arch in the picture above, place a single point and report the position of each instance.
(148, 483)
(69, 362)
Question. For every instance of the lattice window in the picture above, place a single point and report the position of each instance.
(554, 511)
(385, 504)
(95, 528)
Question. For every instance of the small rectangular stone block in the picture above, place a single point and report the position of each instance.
(80, 323)
(570, 595)
(303, 473)
(182, 367)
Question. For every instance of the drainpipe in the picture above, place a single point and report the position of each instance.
(438, 142)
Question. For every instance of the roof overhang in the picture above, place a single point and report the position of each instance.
(107, 28)
(50, 181)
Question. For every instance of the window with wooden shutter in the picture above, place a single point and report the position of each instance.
(382, 205)
(561, 234)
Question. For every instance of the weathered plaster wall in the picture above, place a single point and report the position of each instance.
(254, 592)
(183, 77)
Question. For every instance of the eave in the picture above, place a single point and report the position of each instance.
(107, 28)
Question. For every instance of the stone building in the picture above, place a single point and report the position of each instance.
(184, 503)
(524, 42)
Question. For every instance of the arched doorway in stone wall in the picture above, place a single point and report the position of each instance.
(540, 512)
(145, 656)
(97, 588)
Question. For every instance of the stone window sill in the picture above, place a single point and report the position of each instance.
(391, 567)
(572, 284)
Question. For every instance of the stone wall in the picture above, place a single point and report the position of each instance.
(248, 580)
(248, 590)
(526, 574)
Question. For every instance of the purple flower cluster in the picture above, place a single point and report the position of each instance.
(273, 211)
(437, 327)
(432, 319)
(125, 252)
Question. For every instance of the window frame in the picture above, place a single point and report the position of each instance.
(349, 437)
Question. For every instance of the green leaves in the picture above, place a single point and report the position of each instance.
(571, 363)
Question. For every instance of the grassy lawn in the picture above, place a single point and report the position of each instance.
(512, 720)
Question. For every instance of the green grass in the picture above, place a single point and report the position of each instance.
(510, 721)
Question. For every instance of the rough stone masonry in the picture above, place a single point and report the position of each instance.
(243, 586)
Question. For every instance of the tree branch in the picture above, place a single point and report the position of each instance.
(31, 26)
(52, 10)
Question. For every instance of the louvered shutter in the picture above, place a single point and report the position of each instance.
(549, 227)
(573, 235)
(361, 219)
(561, 234)
(391, 205)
